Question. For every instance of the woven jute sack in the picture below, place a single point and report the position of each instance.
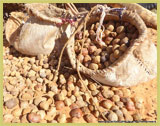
(138, 64)
(39, 31)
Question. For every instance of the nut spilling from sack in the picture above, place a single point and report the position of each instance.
(117, 35)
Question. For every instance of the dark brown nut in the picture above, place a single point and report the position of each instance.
(34, 118)
(135, 35)
(121, 35)
(92, 35)
(120, 29)
(79, 35)
(97, 52)
(84, 51)
(59, 105)
(103, 59)
(76, 113)
(112, 58)
(124, 40)
(108, 40)
(80, 58)
(93, 66)
(92, 49)
(116, 46)
(87, 58)
(77, 49)
(109, 49)
(96, 59)
(106, 64)
(91, 107)
(123, 47)
(107, 33)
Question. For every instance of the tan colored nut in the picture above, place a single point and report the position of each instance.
(115, 98)
(117, 53)
(96, 59)
(80, 57)
(107, 33)
(108, 40)
(116, 46)
(90, 118)
(115, 41)
(107, 104)
(59, 105)
(17, 112)
(61, 118)
(93, 66)
(113, 116)
(87, 58)
(120, 29)
(92, 86)
(34, 118)
(112, 58)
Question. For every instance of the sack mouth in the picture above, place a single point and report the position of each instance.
(127, 16)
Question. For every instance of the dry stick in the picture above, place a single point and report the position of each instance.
(86, 19)
(72, 9)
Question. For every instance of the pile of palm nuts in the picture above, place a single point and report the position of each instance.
(117, 35)
(30, 96)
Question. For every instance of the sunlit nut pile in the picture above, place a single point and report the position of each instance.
(30, 96)
(117, 36)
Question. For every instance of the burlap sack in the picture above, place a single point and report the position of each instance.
(38, 33)
(138, 64)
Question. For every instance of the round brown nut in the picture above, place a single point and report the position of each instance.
(113, 116)
(107, 94)
(120, 29)
(84, 51)
(107, 104)
(115, 98)
(34, 118)
(117, 53)
(59, 105)
(76, 113)
(106, 64)
(121, 35)
(11, 103)
(93, 66)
